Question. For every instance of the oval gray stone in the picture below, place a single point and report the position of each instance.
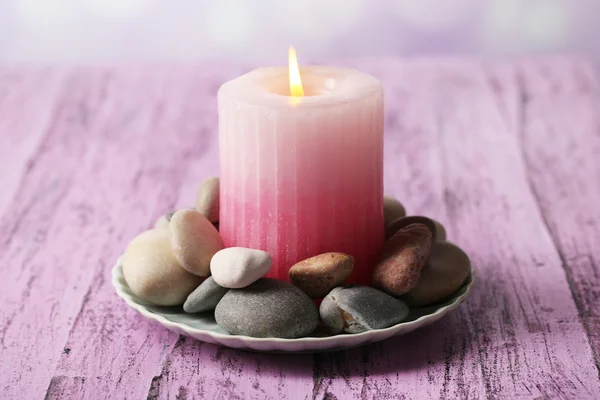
(205, 297)
(446, 270)
(355, 309)
(392, 209)
(267, 308)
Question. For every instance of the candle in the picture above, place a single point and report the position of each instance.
(302, 165)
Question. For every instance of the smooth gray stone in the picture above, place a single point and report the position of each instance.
(267, 308)
(355, 309)
(392, 209)
(446, 270)
(205, 297)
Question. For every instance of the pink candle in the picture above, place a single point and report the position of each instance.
(301, 176)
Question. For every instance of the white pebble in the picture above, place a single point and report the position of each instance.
(238, 267)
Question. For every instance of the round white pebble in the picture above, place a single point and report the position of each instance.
(238, 267)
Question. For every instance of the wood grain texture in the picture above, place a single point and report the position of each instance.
(27, 101)
(504, 154)
(564, 175)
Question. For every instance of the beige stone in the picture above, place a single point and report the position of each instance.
(153, 273)
(207, 199)
(316, 276)
(163, 221)
(194, 240)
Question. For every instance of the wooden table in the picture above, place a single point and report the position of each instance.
(505, 154)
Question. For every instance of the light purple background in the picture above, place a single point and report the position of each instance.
(98, 31)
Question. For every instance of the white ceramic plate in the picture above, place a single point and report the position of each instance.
(203, 327)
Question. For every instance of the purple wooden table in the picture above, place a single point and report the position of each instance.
(506, 155)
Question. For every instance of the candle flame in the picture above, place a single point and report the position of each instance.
(296, 89)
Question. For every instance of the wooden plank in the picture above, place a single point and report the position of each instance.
(31, 293)
(27, 98)
(530, 341)
(519, 335)
(125, 146)
(170, 364)
(112, 161)
(560, 132)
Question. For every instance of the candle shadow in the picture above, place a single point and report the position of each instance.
(421, 349)
(430, 346)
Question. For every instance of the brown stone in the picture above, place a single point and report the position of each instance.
(152, 272)
(402, 260)
(316, 276)
(437, 230)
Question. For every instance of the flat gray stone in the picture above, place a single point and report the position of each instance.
(205, 297)
(355, 309)
(267, 308)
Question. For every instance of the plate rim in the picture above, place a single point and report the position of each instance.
(317, 342)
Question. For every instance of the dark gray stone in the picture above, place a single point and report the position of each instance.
(446, 270)
(355, 309)
(267, 308)
(205, 297)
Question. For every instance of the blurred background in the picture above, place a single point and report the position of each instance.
(109, 31)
